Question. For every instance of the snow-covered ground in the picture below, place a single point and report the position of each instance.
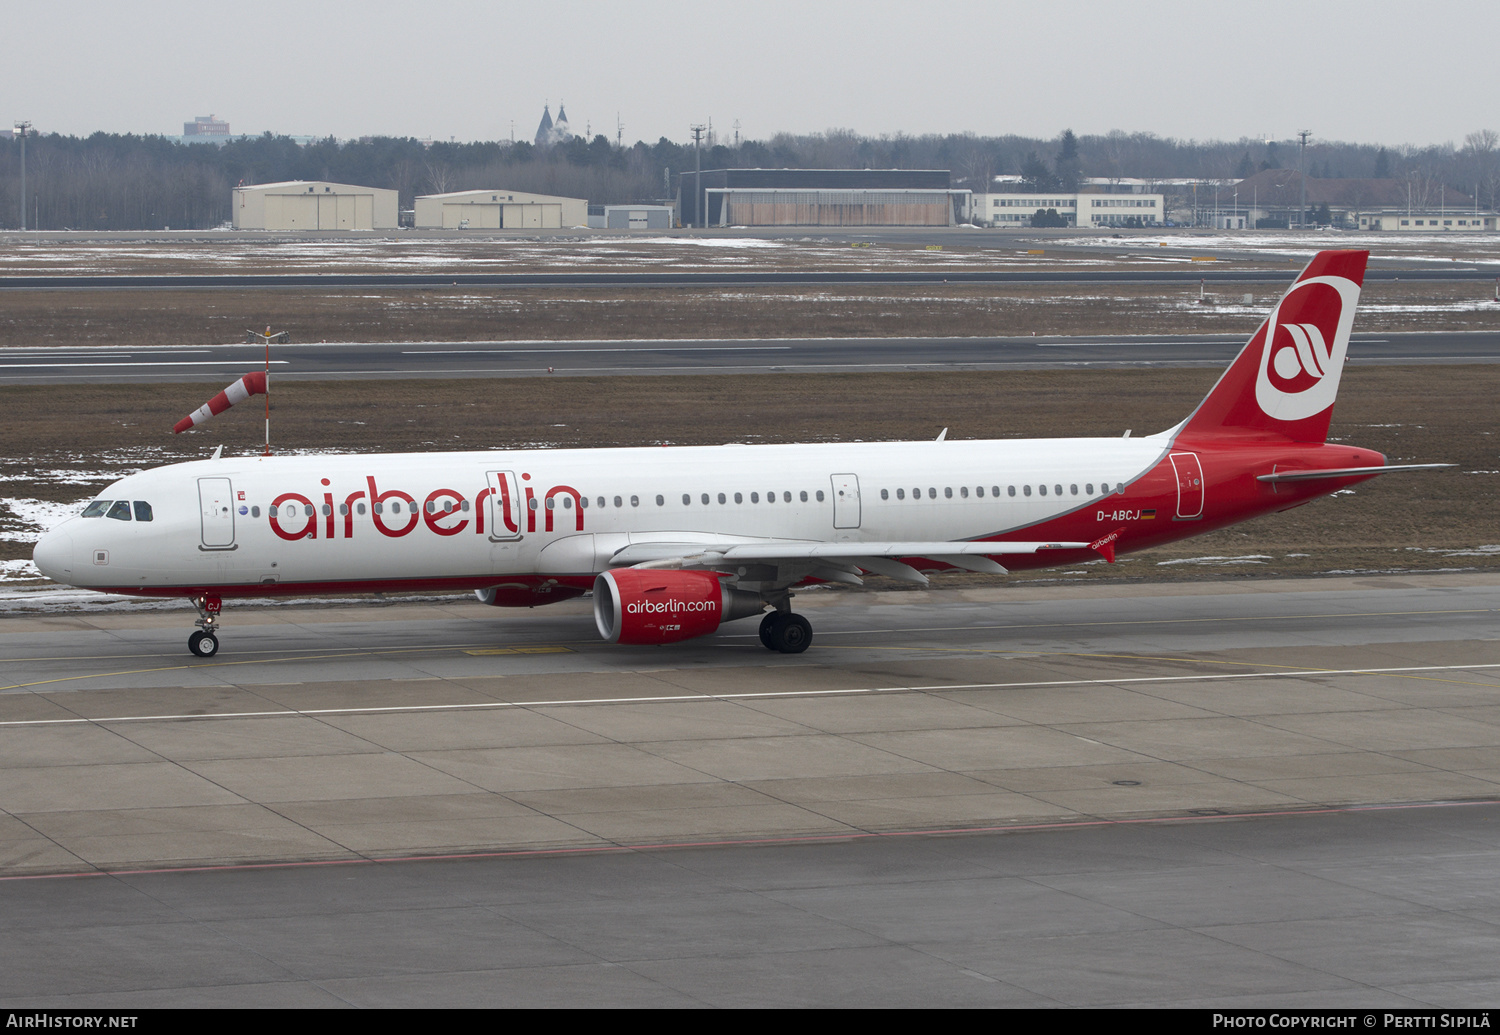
(1410, 247)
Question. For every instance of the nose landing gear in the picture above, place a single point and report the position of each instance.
(203, 643)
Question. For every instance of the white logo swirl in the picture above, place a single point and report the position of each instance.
(1311, 355)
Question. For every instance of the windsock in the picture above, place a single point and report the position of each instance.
(253, 383)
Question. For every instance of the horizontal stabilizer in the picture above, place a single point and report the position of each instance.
(1344, 472)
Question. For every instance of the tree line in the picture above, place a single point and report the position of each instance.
(126, 182)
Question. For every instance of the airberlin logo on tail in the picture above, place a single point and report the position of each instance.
(1306, 338)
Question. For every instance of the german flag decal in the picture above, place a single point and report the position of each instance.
(1147, 515)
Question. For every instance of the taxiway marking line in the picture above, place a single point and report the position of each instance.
(139, 363)
(573, 351)
(755, 694)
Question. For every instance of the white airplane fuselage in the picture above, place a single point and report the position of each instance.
(530, 517)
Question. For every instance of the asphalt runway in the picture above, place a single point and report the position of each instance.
(1259, 793)
(191, 363)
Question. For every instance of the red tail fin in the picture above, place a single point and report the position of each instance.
(1282, 385)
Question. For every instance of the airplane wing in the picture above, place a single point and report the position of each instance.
(831, 562)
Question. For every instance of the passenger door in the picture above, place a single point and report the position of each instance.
(846, 501)
(216, 503)
(1189, 486)
(504, 506)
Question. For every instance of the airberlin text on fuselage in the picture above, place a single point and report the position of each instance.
(295, 515)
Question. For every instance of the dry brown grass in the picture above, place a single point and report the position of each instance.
(473, 314)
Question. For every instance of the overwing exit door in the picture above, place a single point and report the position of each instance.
(846, 501)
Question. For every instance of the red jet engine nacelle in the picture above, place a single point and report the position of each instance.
(644, 606)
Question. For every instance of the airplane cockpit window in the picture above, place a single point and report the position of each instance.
(97, 508)
(120, 511)
(142, 510)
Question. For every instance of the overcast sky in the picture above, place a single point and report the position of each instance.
(1361, 70)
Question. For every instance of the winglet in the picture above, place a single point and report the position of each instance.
(1105, 547)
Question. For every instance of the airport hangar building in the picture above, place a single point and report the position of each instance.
(313, 205)
(498, 210)
(820, 197)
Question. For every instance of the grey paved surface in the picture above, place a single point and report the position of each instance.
(99, 364)
(1359, 909)
(1093, 726)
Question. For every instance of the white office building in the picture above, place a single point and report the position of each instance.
(1082, 209)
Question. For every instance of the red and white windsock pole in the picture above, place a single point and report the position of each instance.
(253, 383)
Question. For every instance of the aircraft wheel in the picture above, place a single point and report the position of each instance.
(791, 635)
(768, 629)
(203, 645)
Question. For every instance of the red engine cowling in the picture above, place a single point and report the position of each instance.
(634, 605)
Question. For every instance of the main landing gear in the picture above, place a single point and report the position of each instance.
(785, 632)
(203, 643)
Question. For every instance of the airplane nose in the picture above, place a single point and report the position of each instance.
(53, 556)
